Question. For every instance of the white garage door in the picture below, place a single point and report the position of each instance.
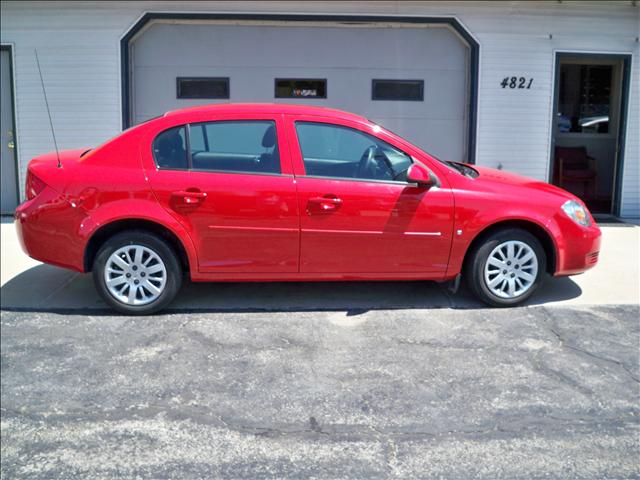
(348, 58)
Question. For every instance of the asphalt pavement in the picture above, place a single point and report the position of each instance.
(362, 380)
(531, 392)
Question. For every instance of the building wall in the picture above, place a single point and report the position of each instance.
(78, 44)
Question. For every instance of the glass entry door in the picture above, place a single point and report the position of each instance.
(586, 131)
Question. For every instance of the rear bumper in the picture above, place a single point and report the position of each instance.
(578, 247)
(47, 228)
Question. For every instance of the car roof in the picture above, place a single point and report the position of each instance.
(282, 108)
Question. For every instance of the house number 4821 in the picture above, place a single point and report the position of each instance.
(516, 82)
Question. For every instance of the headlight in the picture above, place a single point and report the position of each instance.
(577, 213)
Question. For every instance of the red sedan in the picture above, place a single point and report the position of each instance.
(284, 193)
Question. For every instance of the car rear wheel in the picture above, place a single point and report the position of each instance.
(507, 268)
(137, 273)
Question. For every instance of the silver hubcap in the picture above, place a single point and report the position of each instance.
(511, 269)
(135, 275)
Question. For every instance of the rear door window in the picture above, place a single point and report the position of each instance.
(244, 146)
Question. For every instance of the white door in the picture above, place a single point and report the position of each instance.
(8, 174)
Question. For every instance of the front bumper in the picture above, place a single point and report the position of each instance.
(577, 248)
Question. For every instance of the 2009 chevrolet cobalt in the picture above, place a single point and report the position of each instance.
(282, 193)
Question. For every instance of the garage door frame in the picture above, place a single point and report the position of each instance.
(454, 23)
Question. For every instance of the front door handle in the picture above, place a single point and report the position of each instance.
(188, 197)
(325, 204)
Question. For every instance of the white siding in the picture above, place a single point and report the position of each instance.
(79, 49)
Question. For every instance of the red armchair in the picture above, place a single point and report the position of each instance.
(573, 167)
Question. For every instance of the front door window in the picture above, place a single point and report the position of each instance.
(339, 152)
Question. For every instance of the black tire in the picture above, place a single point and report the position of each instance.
(160, 248)
(474, 273)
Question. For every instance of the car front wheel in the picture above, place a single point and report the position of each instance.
(507, 268)
(137, 273)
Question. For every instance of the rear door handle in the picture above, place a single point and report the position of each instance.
(325, 204)
(188, 197)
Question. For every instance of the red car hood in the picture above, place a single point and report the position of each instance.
(492, 178)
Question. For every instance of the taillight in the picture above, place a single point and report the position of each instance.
(34, 186)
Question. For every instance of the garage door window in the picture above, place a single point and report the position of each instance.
(301, 88)
(341, 152)
(235, 146)
(202, 87)
(408, 90)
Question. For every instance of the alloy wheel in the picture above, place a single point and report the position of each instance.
(511, 269)
(135, 275)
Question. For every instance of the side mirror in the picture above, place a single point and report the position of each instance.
(421, 176)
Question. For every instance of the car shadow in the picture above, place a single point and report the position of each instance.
(45, 288)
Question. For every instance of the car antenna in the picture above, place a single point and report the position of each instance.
(46, 102)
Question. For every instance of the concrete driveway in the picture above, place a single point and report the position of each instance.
(355, 380)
